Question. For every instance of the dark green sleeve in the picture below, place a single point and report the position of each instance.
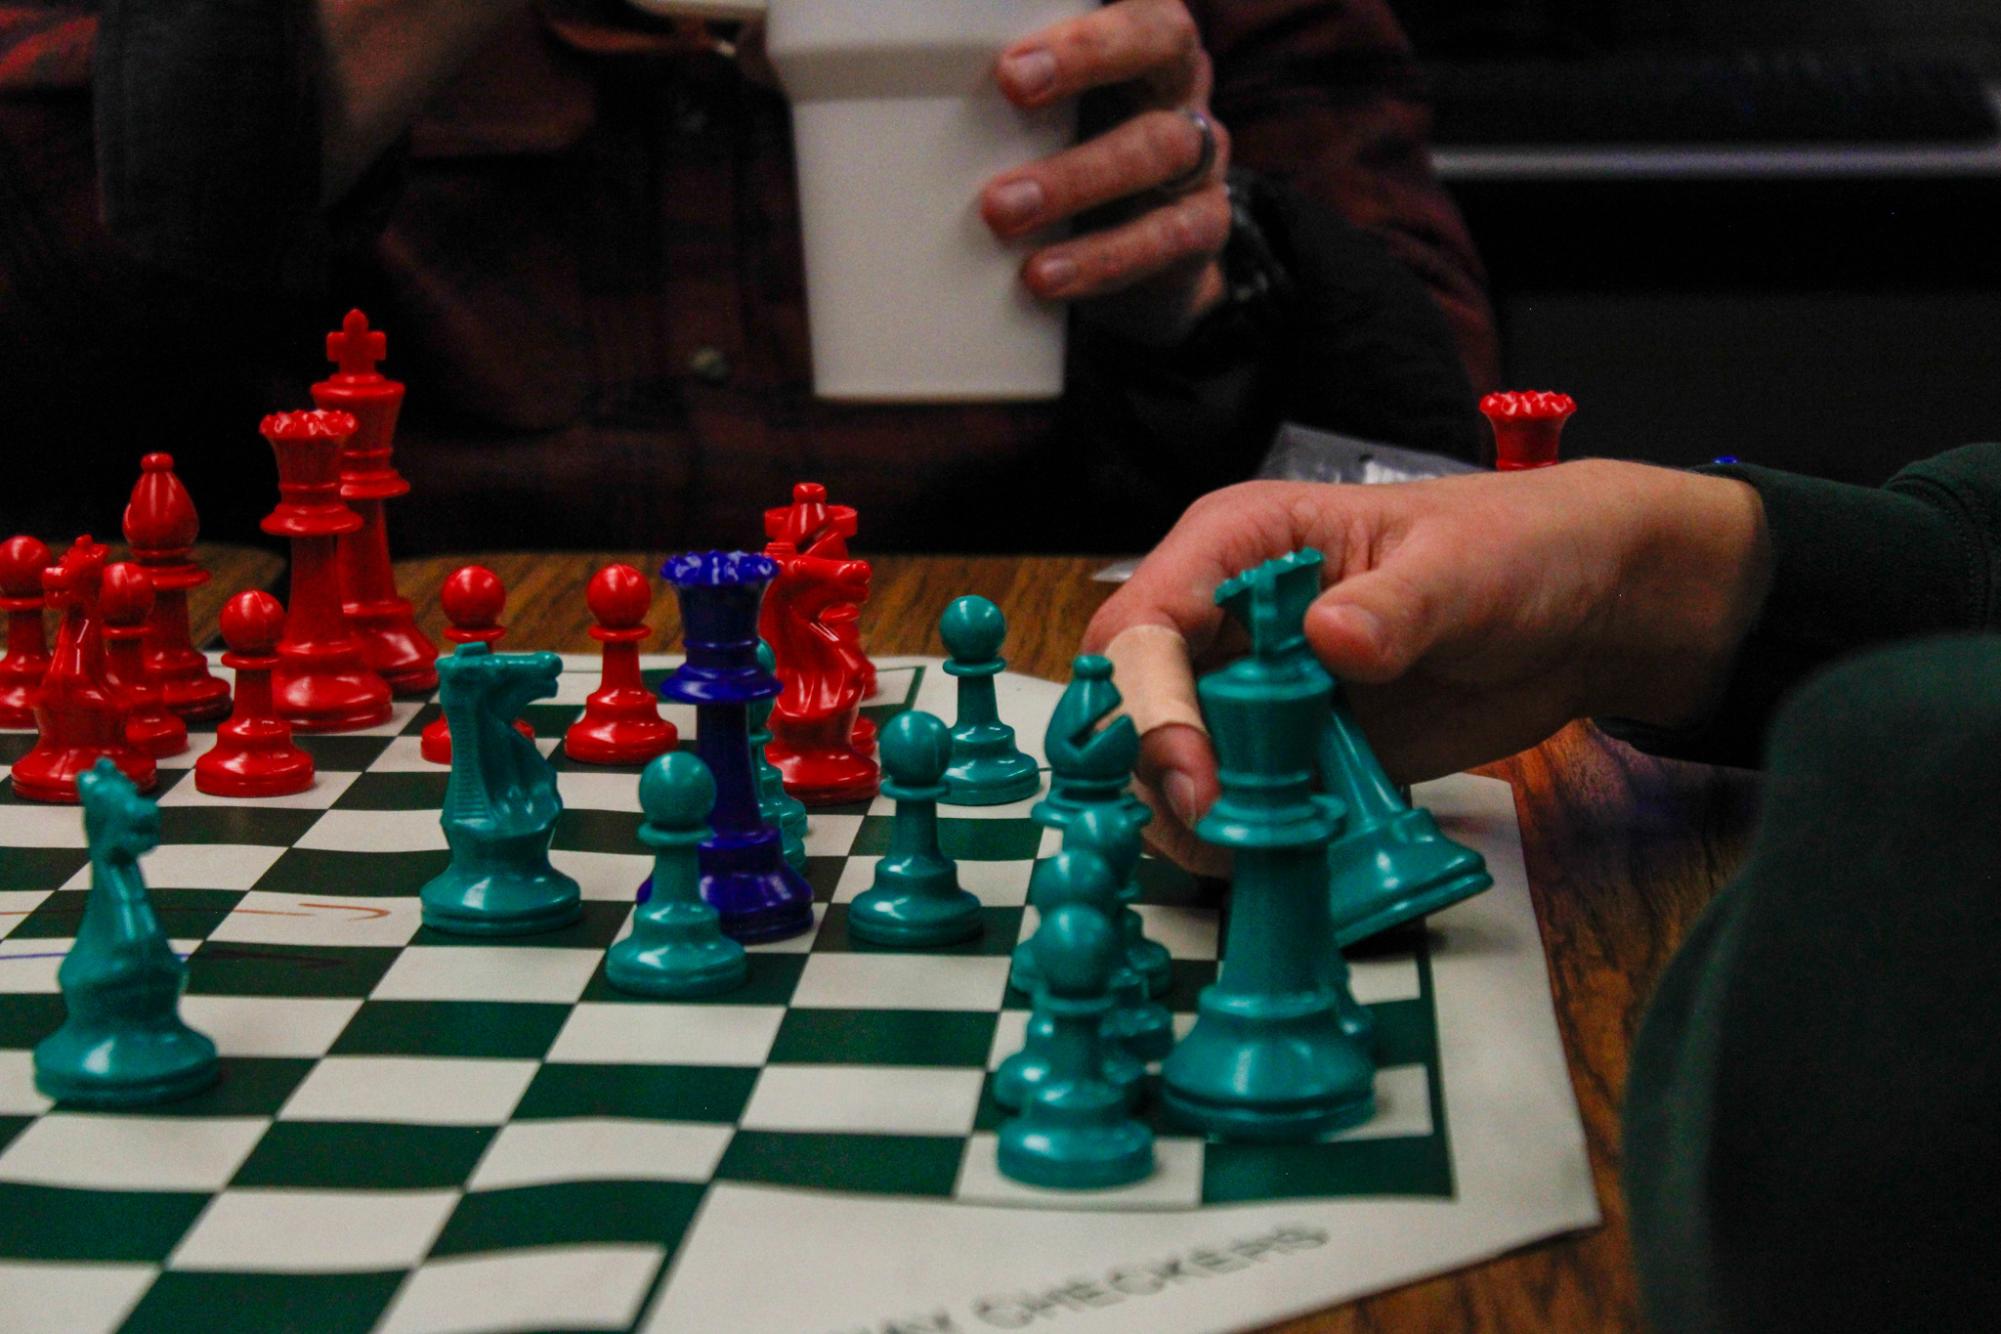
(1813, 1110)
(1853, 567)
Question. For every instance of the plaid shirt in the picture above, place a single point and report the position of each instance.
(587, 261)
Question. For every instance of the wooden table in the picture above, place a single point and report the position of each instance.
(1623, 851)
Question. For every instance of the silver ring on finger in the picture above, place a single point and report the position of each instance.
(1198, 175)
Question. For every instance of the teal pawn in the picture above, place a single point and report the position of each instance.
(987, 768)
(915, 900)
(1391, 865)
(1113, 832)
(1075, 1131)
(1073, 876)
(501, 802)
(677, 946)
(123, 1043)
(781, 810)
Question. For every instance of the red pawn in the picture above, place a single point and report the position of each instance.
(81, 716)
(253, 755)
(1527, 425)
(473, 598)
(125, 602)
(621, 723)
(22, 560)
(323, 682)
(396, 648)
(160, 527)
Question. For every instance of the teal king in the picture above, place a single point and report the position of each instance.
(1269, 1057)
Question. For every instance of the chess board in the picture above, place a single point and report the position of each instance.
(422, 1132)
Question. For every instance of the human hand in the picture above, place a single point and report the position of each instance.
(1469, 617)
(1149, 196)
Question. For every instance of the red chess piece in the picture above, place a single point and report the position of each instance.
(253, 755)
(815, 528)
(1527, 425)
(125, 600)
(160, 527)
(80, 714)
(323, 682)
(621, 722)
(396, 649)
(473, 598)
(820, 675)
(22, 560)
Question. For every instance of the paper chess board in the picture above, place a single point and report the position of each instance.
(421, 1132)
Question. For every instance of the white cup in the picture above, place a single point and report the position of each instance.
(897, 122)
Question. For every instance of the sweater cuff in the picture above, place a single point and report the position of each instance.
(208, 135)
(1852, 567)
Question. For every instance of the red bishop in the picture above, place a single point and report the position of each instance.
(160, 527)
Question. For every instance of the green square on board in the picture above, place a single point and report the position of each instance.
(570, 1213)
(494, 1030)
(649, 1092)
(347, 1155)
(867, 1164)
(294, 1303)
(56, 1223)
(353, 874)
(223, 968)
(884, 1037)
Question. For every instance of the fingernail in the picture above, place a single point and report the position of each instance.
(1032, 72)
(1181, 796)
(1364, 625)
(1056, 272)
(1018, 202)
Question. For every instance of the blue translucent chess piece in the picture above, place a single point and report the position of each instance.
(1073, 876)
(123, 1043)
(677, 946)
(1391, 865)
(915, 899)
(1268, 1057)
(1075, 1130)
(744, 872)
(501, 802)
(987, 768)
(779, 807)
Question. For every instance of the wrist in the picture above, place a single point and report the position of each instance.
(1693, 572)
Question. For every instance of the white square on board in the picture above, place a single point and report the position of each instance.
(411, 1090)
(1176, 1182)
(126, 1152)
(30, 965)
(44, 1298)
(376, 831)
(18, 1094)
(264, 918)
(405, 755)
(864, 1099)
(1188, 933)
(547, 1287)
(198, 866)
(1403, 1106)
(1377, 980)
(16, 904)
(487, 973)
(35, 826)
(607, 877)
(901, 982)
(596, 790)
(326, 790)
(831, 835)
(314, 1231)
(618, 1034)
(400, 714)
(537, 1153)
(283, 1026)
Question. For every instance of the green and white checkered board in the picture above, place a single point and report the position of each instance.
(422, 1132)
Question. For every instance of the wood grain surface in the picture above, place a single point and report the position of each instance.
(1623, 852)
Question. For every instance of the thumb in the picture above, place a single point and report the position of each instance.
(1371, 627)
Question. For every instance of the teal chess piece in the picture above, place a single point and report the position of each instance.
(1075, 1130)
(501, 802)
(780, 808)
(1113, 832)
(1268, 1057)
(987, 768)
(123, 1043)
(915, 899)
(1391, 865)
(677, 946)
(1073, 876)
